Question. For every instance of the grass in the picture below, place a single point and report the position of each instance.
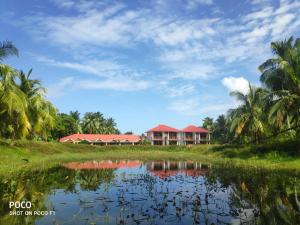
(22, 155)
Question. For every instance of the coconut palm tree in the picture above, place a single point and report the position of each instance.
(6, 49)
(110, 126)
(76, 116)
(93, 123)
(42, 113)
(247, 119)
(14, 120)
(281, 75)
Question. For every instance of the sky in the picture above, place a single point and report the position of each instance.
(146, 62)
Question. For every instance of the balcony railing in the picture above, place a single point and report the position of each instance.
(188, 138)
(157, 137)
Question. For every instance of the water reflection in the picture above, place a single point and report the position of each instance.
(133, 192)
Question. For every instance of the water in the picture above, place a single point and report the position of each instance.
(134, 192)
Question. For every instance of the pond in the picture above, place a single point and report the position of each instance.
(160, 192)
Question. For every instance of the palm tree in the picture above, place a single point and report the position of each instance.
(247, 119)
(14, 121)
(6, 49)
(76, 116)
(281, 75)
(208, 123)
(42, 113)
(93, 123)
(220, 132)
(110, 126)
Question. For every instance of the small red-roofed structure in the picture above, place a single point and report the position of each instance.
(102, 139)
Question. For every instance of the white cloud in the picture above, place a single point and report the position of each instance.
(102, 68)
(192, 4)
(236, 84)
(121, 83)
(259, 2)
(176, 90)
(180, 32)
(94, 27)
(197, 107)
(265, 12)
(64, 3)
(190, 71)
(59, 89)
(116, 84)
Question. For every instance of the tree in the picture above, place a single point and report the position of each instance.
(128, 132)
(24, 111)
(76, 117)
(220, 132)
(42, 114)
(247, 119)
(6, 49)
(281, 75)
(110, 126)
(92, 123)
(208, 123)
(66, 125)
(14, 121)
(95, 123)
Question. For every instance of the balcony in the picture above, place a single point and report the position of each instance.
(157, 137)
(188, 139)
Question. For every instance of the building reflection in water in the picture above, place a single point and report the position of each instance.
(161, 169)
(164, 169)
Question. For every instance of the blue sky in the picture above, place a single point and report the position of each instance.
(146, 62)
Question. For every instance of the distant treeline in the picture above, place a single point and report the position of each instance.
(267, 111)
(25, 112)
(91, 123)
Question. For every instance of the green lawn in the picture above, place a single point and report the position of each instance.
(32, 154)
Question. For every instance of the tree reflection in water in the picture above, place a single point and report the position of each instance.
(132, 192)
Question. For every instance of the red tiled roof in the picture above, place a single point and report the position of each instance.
(195, 129)
(163, 128)
(102, 137)
(102, 165)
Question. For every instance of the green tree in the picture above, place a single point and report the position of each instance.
(42, 113)
(92, 123)
(247, 120)
(14, 121)
(110, 126)
(208, 123)
(220, 132)
(76, 117)
(6, 49)
(95, 123)
(66, 125)
(281, 75)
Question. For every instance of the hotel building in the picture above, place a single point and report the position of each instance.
(166, 135)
